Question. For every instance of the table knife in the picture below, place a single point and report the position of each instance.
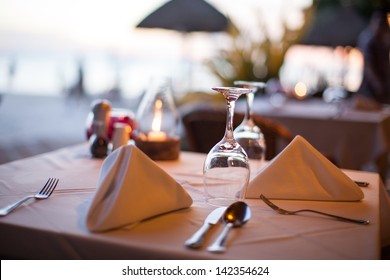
(362, 183)
(196, 240)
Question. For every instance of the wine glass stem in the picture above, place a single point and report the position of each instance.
(229, 119)
(249, 102)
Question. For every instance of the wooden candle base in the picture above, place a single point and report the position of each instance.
(168, 149)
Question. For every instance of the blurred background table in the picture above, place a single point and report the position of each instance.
(352, 139)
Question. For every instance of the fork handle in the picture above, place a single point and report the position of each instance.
(364, 222)
(8, 209)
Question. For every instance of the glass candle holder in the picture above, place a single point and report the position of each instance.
(158, 121)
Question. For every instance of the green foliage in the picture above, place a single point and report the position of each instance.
(251, 60)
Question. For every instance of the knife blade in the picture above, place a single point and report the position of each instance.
(196, 240)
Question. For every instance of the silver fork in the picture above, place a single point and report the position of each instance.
(286, 212)
(46, 191)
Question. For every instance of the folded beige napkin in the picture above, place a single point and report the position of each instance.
(303, 173)
(132, 188)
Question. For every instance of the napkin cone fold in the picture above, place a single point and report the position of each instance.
(301, 172)
(132, 188)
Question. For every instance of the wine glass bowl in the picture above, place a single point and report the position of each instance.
(226, 168)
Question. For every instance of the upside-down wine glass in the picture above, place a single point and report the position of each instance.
(226, 169)
(248, 134)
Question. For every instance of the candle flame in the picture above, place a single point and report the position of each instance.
(157, 119)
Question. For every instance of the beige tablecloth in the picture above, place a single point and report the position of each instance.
(55, 228)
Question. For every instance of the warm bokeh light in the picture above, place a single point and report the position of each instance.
(300, 90)
(354, 75)
(388, 18)
(318, 66)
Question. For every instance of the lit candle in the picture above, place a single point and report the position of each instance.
(156, 134)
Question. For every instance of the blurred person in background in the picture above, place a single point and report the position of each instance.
(374, 43)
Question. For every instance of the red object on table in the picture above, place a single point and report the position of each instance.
(116, 116)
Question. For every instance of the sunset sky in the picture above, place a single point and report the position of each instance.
(110, 23)
(43, 34)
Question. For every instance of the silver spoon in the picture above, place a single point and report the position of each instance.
(236, 215)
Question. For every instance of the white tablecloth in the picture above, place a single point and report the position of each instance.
(55, 228)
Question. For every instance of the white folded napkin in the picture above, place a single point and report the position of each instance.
(303, 173)
(132, 188)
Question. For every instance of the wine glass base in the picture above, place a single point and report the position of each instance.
(218, 202)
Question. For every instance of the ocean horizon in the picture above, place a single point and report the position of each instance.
(53, 73)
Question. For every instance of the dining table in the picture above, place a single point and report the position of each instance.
(351, 137)
(55, 228)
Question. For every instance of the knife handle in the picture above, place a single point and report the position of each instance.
(196, 240)
(362, 183)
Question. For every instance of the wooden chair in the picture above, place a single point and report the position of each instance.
(204, 126)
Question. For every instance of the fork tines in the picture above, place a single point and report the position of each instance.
(49, 187)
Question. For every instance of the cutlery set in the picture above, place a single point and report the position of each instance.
(236, 215)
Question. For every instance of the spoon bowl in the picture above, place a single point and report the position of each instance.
(236, 215)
